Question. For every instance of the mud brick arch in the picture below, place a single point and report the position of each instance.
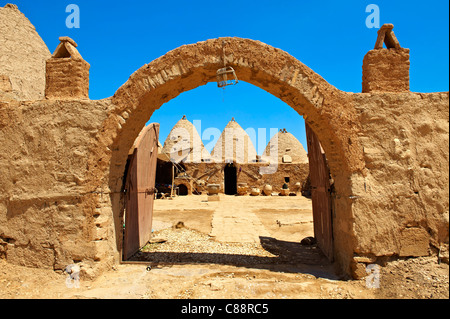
(63, 158)
(327, 110)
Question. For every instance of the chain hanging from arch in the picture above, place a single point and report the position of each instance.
(226, 75)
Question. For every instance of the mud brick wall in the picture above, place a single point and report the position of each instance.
(67, 78)
(5, 84)
(386, 70)
(297, 173)
(63, 161)
(248, 173)
(401, 204)
(44, 221)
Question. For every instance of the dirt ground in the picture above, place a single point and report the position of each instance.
(204, 259)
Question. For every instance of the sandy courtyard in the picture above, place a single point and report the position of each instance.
(238, 247)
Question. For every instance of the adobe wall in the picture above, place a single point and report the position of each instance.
(386, 70)
(49, 216)
(250, 174)
(62, 161)
(401, 205)
(22, 56)
(60, 86)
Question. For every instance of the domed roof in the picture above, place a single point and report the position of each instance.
(286, 148)
(23, 54)
(184, 144)
(234, 145)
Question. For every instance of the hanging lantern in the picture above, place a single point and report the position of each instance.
(226, 76)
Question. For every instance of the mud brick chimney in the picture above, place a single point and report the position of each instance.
(67, 74)
(386, 69)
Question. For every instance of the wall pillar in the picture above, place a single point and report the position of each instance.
(386, 69)
(67, 74)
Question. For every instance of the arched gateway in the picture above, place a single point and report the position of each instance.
(63, 158)
(327, 110)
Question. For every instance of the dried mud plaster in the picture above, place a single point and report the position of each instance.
(63, 158)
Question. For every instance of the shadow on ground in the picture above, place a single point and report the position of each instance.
(290, 257)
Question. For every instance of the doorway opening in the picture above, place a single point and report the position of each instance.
(182, 190)
(280, 224)
(230, 179)
(290, 81)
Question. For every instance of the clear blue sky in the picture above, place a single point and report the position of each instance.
(330, 37)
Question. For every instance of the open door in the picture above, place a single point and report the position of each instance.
(140, 190)
(230, 174)
(320, 194)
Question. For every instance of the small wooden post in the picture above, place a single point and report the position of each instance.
(173, 177)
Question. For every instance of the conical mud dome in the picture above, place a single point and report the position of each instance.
(284, 147)
(22, 56)
(234, 145)
(184, 144)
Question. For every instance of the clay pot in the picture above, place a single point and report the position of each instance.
(213, 189)
(200, 182)
(242, 188)
(267, 190)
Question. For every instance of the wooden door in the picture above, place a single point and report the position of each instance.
(140, 187)
(320, 194)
